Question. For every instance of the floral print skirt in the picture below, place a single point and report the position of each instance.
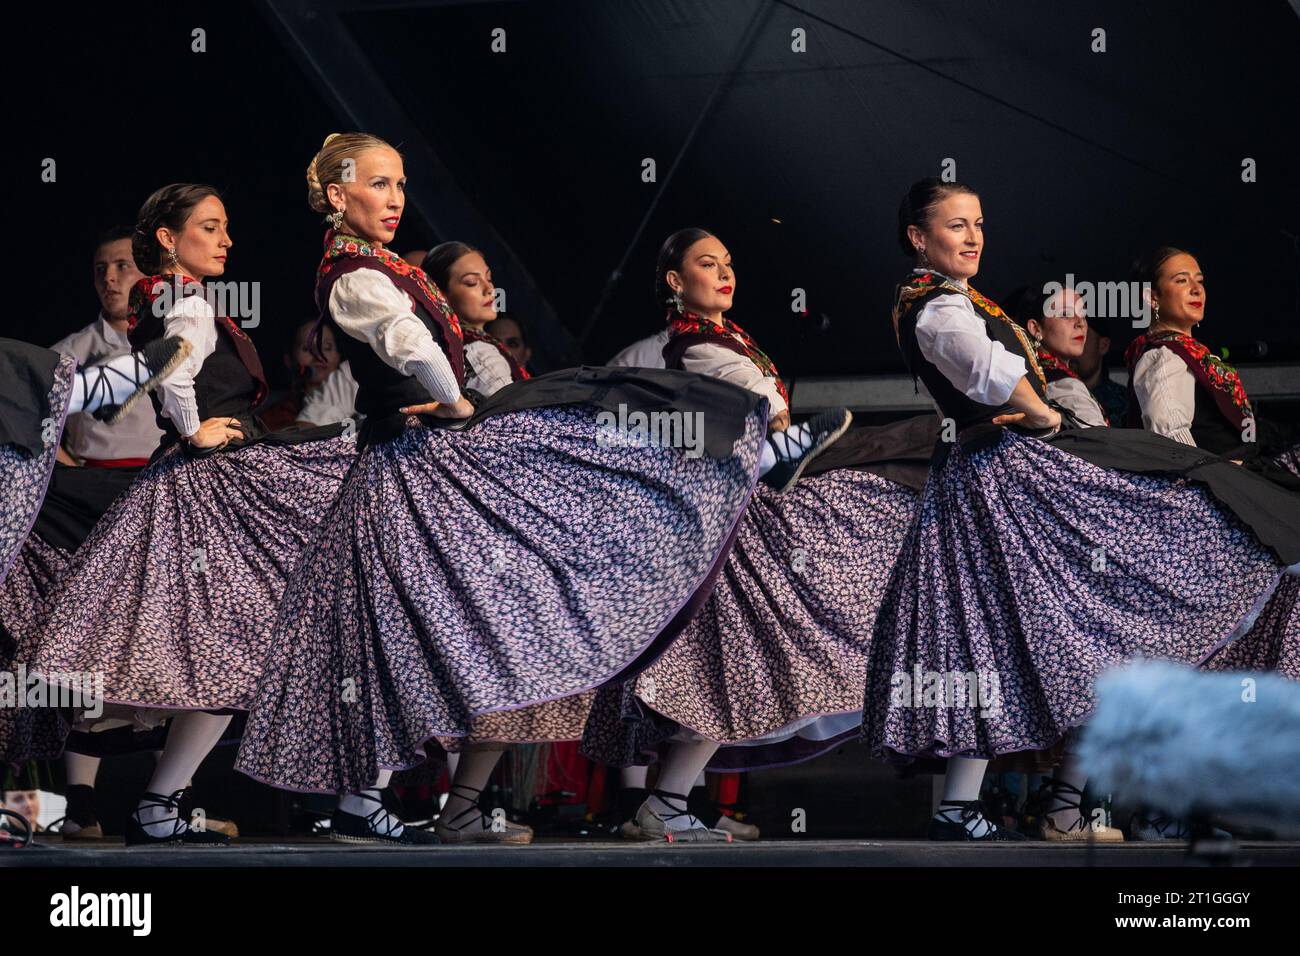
(1026, 573)
(779, 653)
(465, 575)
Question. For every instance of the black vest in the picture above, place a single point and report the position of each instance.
(952, 402)
(382, 389)
(224, 387)
(1211, 431)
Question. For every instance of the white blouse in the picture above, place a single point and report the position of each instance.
(368, 306)
(334, 400)
(193, 318)
(718, 361)
(1072, 394)
(643, 353)
(486, 369)
(953, 338)
(1166, 393)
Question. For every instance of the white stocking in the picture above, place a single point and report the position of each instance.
(472, 774)
(965, 775)
(191, 737)
(685, 762)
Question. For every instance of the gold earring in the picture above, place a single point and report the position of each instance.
(336, 218)
(171, 256)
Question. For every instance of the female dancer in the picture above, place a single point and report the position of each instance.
(782, 641)
(461, 272)
(1059, 326)
(1032, 564)
(1179, 388)
(172, 596)
(528, 555)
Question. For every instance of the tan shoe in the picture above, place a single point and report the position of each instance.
(1070, 797)
(227, 827)
(473, 826)
(653, 826)
(741, 831)
(70, 831)
(481, 830)
(1084, 832)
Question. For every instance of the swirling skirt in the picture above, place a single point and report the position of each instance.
(24, 477)
(172, 598)
(784, 638)
(1026, 573)
(463, 574)
(30, 729)
(1273, 642)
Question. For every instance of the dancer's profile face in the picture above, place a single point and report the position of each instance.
(470, 290)
(372, 203)
(1180, 291)
(202, 243)
(1064, 325)
(706, 280)
(953, 237)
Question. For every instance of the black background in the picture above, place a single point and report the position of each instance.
(1083, 160)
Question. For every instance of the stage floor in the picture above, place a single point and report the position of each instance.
(252, 852)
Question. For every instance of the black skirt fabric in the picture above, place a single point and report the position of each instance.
(26, 381)
(75, 499)
(1269, 509)
(723, 408)
(900, 451)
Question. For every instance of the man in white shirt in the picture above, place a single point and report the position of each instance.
(86, 439)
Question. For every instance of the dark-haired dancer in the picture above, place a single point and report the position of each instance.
(461, 272)
(1034, 564)
(1059, 326)
(528, 555)
(783, 639)
(1179, 388)
(172, 596)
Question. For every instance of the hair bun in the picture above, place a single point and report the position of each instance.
(327, 165)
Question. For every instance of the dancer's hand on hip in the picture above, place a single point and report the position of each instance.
(461, 408)
(216, 433)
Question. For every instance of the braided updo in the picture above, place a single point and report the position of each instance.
(328, 164)
(170, 207)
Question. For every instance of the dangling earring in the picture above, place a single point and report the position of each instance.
(1155, 313)
(171, 257)
(925, 260)
(336, 218)
(677, 301)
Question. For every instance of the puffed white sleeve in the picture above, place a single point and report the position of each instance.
(717, 361)
(333, 400)
(366, 305)
(954, 339)
(192, 318)
(1072, 394)
(486, 369)
(1166, 393)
